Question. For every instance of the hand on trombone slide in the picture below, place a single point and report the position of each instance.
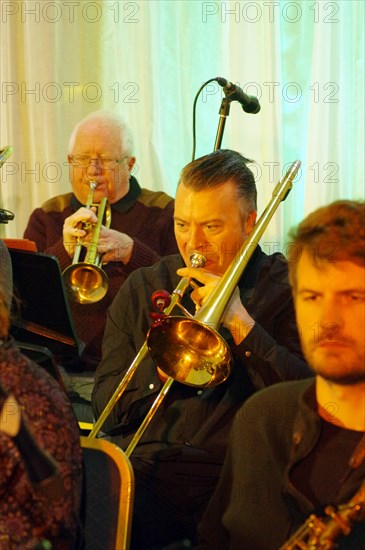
(113, 245)
(236, 317)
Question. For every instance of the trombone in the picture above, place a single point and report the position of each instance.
(190, 350)
(87, 281)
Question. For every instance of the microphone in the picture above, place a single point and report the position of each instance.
(249, 103)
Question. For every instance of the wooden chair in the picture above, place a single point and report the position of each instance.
(108, 493)
(21, 244)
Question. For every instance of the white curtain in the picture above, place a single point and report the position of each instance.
(147, 59)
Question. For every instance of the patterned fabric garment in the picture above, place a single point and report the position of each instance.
(31, 513)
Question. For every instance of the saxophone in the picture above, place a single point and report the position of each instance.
(322, 533)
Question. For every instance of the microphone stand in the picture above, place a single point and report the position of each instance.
(223, 113)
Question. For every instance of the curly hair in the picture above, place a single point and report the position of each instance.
(332, 233)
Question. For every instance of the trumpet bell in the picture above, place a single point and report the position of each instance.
(189, 351)
(87, 283)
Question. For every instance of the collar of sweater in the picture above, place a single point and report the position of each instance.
(124, 204)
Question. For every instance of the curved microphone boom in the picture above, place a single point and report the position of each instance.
(249, 103)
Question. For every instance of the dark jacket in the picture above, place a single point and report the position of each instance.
(195, 420)
(257, 505)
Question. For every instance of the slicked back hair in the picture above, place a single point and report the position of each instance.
(221, 167)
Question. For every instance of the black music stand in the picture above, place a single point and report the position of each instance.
(43, 316)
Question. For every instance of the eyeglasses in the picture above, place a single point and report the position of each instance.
(83, 161)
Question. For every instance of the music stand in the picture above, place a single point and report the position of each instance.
(45, 316)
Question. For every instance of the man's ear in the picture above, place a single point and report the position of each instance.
(250, 222)
(131, 163)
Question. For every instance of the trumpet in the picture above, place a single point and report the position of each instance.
(190, 350)
(86, 281)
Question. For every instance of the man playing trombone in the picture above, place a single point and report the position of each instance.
(178, 459)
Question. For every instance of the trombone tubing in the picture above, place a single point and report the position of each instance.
(212, 311)
(177, 293)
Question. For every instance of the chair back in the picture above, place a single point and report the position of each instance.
(21, 244)
(43, 357)
(108, 492)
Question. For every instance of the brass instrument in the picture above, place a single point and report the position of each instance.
(190, 350)
(5, 154)
(322, 533)
(86, 281)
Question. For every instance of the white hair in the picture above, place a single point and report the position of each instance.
(111, 119)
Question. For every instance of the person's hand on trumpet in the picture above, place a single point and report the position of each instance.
(115, 246)
(236, 317)
(75, 228)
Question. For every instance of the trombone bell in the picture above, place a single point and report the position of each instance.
(189, 351)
